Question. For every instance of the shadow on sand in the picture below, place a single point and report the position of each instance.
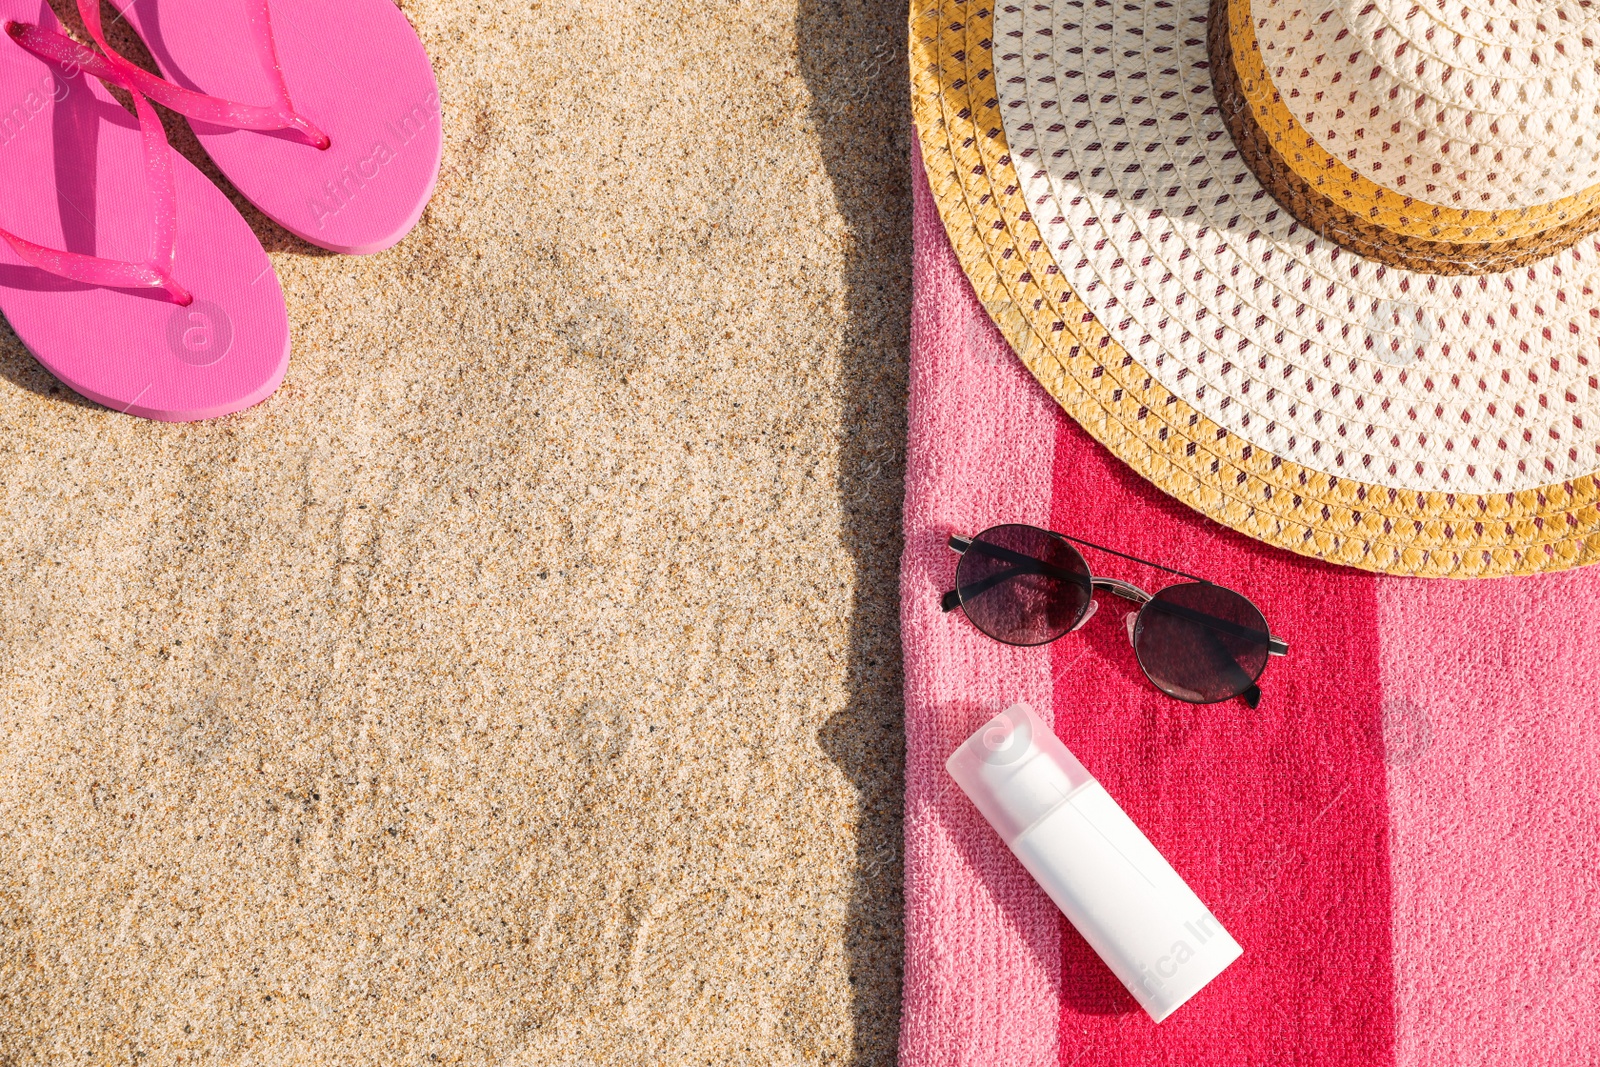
(852, 57)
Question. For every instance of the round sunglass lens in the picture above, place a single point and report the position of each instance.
(1201, 643)
(1022, 585)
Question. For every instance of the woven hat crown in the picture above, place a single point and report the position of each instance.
(1487, 105)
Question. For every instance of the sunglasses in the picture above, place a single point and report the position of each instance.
(1195, 641)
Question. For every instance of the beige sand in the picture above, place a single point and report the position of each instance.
(521, 683)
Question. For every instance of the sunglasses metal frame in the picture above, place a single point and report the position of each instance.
(1276, 646)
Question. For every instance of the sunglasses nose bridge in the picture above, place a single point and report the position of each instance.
(1125, 590)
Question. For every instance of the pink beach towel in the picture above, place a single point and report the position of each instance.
(1402, 837)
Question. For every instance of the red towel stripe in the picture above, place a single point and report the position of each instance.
(1277, 817)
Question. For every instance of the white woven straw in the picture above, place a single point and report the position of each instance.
(1307, 351)
(1486, 106)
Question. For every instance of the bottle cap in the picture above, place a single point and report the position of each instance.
(1016, 770)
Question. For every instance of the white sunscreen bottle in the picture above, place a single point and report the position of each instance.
(1104, 875)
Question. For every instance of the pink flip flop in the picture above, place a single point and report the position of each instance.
(122, 268)
(324, 113)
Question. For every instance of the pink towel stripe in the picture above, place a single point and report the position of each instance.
(987, 941)
(1494, 764)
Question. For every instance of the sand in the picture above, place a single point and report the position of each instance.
(520, 684)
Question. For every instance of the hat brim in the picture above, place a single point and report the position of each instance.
(1168, 439)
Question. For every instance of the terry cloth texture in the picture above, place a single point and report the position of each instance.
(1402, 837)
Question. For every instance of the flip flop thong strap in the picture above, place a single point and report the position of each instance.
(214, 109)
(156, 272)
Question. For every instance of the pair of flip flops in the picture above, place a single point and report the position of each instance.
(122, 268)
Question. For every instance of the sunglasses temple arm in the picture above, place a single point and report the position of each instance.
(1250, 695)
(1227, 665)
(1276, 646)
(1028, 564)
(952, 599)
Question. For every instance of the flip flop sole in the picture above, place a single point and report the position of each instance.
(355, 68)
(72, 167)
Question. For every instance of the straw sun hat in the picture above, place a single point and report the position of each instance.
(1325, 270)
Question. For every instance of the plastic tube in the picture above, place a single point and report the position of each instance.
(1143, 920)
